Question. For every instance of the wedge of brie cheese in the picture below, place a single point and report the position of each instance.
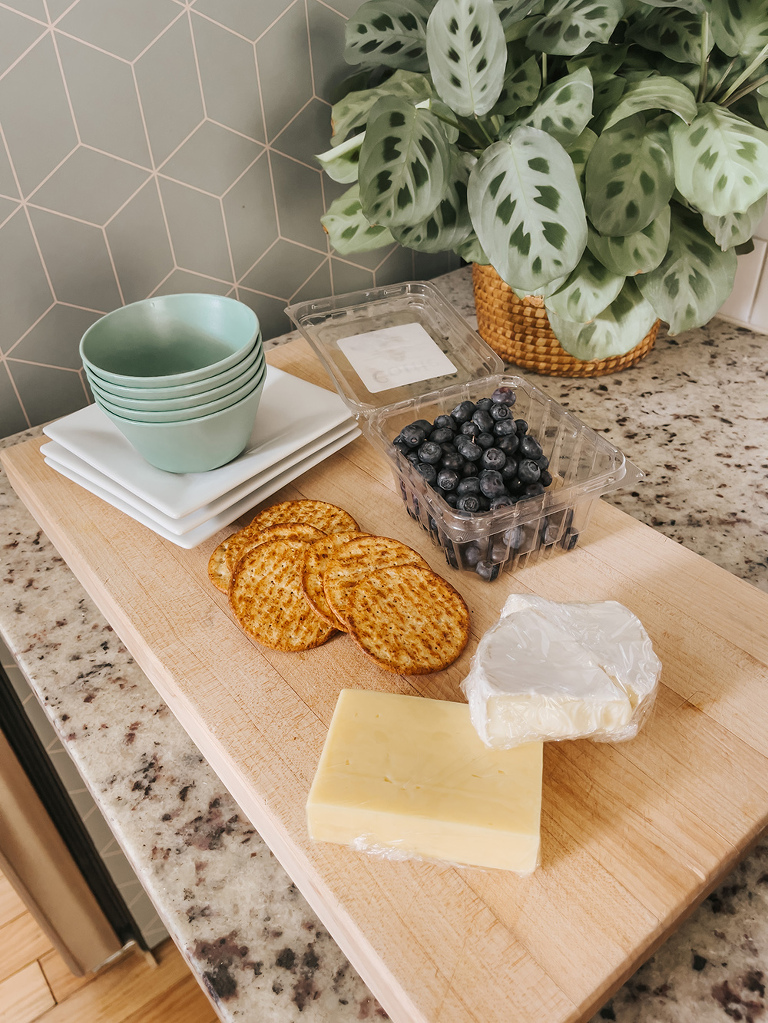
(548, 671)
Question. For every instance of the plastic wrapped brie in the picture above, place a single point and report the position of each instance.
(548, 671)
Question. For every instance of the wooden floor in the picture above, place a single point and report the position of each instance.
(35, 985)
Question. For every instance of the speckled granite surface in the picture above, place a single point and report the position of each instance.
(694, 416)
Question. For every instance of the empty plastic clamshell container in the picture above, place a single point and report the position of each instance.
(401, 353)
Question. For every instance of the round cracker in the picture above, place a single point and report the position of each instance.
(268, 600)
(218, 570)
(249, 537)
(319, 554)
(408, 619)
(328, 517)
(356, 559)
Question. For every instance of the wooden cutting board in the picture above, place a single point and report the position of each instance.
(634, 835)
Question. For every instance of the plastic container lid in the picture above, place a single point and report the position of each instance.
(389, 346)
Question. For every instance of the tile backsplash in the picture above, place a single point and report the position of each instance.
(155, 146)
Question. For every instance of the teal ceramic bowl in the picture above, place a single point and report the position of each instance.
(191, 390)
(255, 380)
(169, 340)
(194, 445)
(189, 403)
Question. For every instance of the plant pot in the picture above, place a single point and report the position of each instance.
(518, 330)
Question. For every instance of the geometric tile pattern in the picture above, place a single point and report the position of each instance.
(158, 146)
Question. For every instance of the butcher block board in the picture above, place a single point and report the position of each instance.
(634, 834)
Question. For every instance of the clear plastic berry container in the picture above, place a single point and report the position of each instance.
(402, 353)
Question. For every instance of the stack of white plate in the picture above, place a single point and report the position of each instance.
(297, 426)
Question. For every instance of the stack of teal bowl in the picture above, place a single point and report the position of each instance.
(180, 376)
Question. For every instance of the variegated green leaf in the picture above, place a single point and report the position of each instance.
(404, 163)
(721, 161)
(388, 32)
(467, 54)
(527, 210)
(657, 93)
(608, 91)
(695, 277)
(512, 12)
(521, 87)
(599, 58)
(636, 253)
(629, 177)
(569, 26)
(564, 109)
(347, 228)
(673, 32)
(695, 6)
(614, 331)
(735, 228)
(740, 26)
(579, 150)
(341, 163)
(471, 251)
(444, 114)
(586, 291)
(448, 226)
(352, 111)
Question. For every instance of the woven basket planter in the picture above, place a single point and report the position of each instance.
(518, 330)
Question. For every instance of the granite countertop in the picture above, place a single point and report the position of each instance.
(694, 416)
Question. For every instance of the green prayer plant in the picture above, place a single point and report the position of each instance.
(609, 156)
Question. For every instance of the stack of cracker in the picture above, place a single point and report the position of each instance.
(302, 571)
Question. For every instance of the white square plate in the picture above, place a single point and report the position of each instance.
(203, 532)
(64, 458)
(292, 413)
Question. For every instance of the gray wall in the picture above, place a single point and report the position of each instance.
(154, 146)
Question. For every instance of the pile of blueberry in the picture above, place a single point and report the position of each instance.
(478, 457)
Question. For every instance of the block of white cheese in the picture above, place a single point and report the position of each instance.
(548, 671)
(409, 777)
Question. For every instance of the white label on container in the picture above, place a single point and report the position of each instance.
(394, 356)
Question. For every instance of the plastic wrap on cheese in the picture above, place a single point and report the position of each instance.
(548, 671)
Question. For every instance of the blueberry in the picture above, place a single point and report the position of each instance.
(546, 478)
(400, 444)
(470, 469)
(412, 456)
(530, 447)
(499, 413)
(542, 461)
(505, 427)
(427, 470)
(508, 444)
(422, 424)
(468, 449)
(509, 469)
(468, 486)
(487, 571)
(447, 479)
(503, 501)
(486, 440)
(430, 452)
(463, 411)
(498, 552)
(491, 483)
(450, 557)
(449, 496)
(472, 554)
(446, 423)
(493, 458)
(534, 490)
(470, 429)
(528, 471)
(521, 426)
(484, 404)
(569, 540)
(442, 435)
(414, 435)
(504, 396)
(513, 537)
(452, 460)
(483, 420)
(548, 531)
(468, 503)
(515, 487)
